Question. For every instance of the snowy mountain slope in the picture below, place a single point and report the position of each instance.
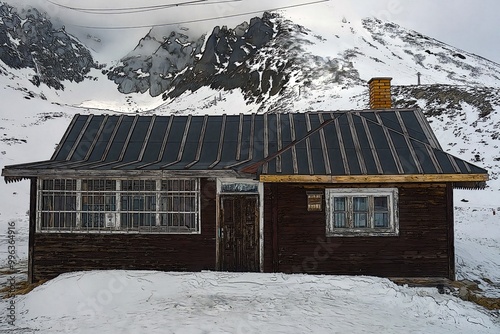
(466, 120)
(274, 61)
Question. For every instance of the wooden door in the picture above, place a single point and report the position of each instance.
(239, 237)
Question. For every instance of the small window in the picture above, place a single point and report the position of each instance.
(362, 212)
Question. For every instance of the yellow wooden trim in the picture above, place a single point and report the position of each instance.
(374, 178)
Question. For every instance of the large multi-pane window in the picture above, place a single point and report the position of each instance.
(354, 212)
(169, 206)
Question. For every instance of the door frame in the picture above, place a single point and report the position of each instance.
(219, 194)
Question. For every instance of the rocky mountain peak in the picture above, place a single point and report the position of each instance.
(29, 40)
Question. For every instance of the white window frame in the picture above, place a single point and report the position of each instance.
(119, 227)
(351, 231)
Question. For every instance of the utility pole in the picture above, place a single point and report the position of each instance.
(418, 75)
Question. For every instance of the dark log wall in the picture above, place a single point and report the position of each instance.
(294, 240)
(422, 249)
(64, 252)
(270, 228)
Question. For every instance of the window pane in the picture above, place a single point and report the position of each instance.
(360, 220)
(92, 220)
(339, 203)
(147, 219)
(110, 202)
(339, 219)
(381, 219)
(174, 185)
(190, 220)
(59, 184)
(381, 203)
(48, 184)
(150, 203)
(126, 185)
(360, 203)
(150, 185)
(137, 203)
(163, 203)
(98, 185)
(47, 203)
(70, 203)
(191, 204)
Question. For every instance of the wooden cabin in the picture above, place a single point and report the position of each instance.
(359, 192)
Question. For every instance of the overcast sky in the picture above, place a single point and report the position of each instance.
(472, 25)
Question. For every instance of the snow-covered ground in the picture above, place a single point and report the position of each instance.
(210, 302)
(477, 238)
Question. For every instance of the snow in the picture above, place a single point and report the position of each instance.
(477, 238)
(211, 302)
(33, 119)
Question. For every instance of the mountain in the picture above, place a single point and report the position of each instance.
(269, 58)
(271, 63)
(28, 40)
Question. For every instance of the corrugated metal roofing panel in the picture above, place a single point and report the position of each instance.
(369, 142)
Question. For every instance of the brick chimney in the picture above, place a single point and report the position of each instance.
(380, 93)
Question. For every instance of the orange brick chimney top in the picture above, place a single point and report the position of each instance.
(380, 93)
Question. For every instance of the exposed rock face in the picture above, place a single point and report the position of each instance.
(260, 58)
(28, 40)
(157, 61)
(226, 60)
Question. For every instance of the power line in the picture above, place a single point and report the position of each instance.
(204, 19)
(130, 10)
(124, 8)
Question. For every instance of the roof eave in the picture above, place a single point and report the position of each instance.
(404, 178)
(14, 175)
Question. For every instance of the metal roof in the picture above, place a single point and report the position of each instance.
(366, 142)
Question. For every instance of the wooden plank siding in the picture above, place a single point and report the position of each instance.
(57, 253)
(270, 229)
(424, 247)
(294, 239)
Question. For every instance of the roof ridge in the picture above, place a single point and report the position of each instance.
(255, 166)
